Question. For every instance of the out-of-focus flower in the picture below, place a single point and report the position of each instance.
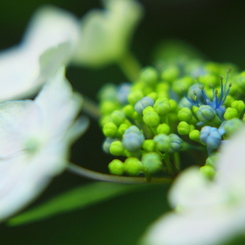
(35, 140)
(206, 212)
(105, 34)
(48, 43)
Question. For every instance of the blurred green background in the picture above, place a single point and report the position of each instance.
(214, 27)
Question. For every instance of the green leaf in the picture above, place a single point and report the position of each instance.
(77, 198)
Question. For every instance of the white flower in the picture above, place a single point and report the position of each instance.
(206, 213)
(34, 142)
(105, 34)
(48, 44)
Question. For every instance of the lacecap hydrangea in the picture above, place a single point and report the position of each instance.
(182, 108)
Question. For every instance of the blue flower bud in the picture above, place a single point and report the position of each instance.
(205, 113)
(195, 92)
(211, 137)
(175, 143)
(143, 103)
(107, 144)
(132, 139)
(122, 92)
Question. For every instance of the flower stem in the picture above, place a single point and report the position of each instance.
(130, 66)
(111, 178)
(91, 108)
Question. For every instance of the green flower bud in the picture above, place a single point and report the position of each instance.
(108, 92)
(149, 145)
(162, 106)
(230, 113)
(149, 76)
(170, 74)
(163, 129)
(151, 162)
(185, 114)
(162, 142)
(238, 105)
(147, 109)
(122, 128)
(108, 107)
(173, 105)
(153, 95)
(110, 129)
(128, 110)
(133, 166)
(208, 171)
(134, 97)
(151, 119)
(183, 128)
(211, 160)
(232, 125)
(194, 135)
(117, 117)
(116, 148)
(206, 114)
(116, 167)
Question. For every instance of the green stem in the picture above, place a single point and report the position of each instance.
(177, 160)
(91, 108)
(130, 66)
(117, 179)
(169, 165)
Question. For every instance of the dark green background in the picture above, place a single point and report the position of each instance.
(215, 27)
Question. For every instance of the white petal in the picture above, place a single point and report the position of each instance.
(57, 98)
(105, 34)
(192, 190)
(19, 121)
(49, 43)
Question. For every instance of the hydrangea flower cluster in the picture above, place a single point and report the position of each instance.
(182, 106)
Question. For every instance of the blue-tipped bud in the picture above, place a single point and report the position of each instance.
(162, 106)
(143, 103)
(133, 139)
(107, 144)
(231, 126)
(195, 92)
(151, 162)
(175, 143)
(211, 137)
(205, 113)
(123, 91)
(162, 142)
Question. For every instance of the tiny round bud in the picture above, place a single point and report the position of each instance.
(123, 91)
(117, 117)
(211, 137)
(183, 128)
(128, 110)
(134, 97)
(163, 128)
(238, 105)
(151, 119)
(107, 107)
(133, 166)
(149, 145)
(116, 167)
(151, 162)
(230, 113)
(162, 106)
(208, 171)
(116, 148)
(149, 76)
(122, 128)
(232, 125)
(162, 142)
(185, 114)
(175, 143)
(171, 73)
(110, 129)
(107, 144)
(206, 113)
(194, 135)
(143, 103)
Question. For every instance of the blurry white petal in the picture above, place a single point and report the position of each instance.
(49, 43)
(35, 139)
(105, 34)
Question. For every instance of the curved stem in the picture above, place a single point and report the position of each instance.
(130, 66)
(111, 178)
(91, 108)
